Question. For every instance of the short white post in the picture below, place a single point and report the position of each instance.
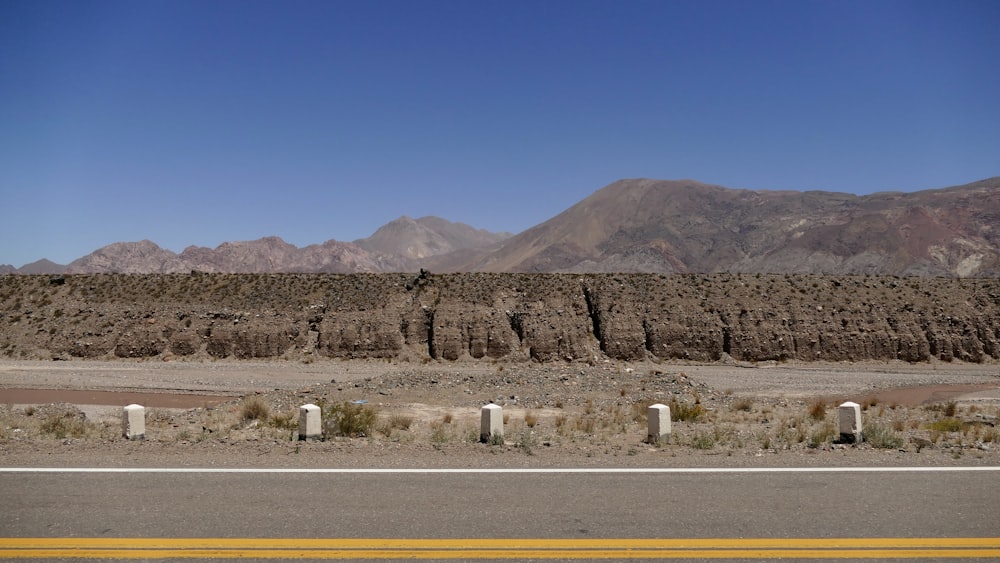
(134, 422)
(849, 417)
(491, 423)
(658, 423)
(310, 422)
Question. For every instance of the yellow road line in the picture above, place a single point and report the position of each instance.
(531, 548)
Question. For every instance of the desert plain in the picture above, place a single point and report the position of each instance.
(559, 414)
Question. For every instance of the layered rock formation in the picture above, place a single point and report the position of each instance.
(550, 317)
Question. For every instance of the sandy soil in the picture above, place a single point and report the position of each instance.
(557, 414)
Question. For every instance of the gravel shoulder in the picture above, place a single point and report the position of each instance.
(559, 414)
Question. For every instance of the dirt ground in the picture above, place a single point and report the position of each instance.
(215, 413)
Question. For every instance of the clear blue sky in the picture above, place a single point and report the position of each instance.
(198, 122)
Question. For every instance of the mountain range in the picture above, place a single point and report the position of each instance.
(640, 225)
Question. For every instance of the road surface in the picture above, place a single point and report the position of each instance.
(469, 514)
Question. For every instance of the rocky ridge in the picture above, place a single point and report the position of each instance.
(402, 245)
(510, 317)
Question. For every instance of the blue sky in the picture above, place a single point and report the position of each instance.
(194, 122)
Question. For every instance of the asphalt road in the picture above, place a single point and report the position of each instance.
(587, 511)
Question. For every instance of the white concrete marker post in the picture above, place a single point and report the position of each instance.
(658, 423)
(134, 422)
(849, 418)
(310, 422)
(491, 423)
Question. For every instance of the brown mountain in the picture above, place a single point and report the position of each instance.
(42, 266)
(419, 239)
(141, 257)
(646, 225)
(643, 225)
(271, 254)
(395, 247)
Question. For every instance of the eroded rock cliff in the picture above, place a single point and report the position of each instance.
(517, 317)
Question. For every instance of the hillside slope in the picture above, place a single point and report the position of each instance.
(684, 226)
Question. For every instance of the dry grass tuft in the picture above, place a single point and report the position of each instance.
(66, 425)
(530, 419)
(879, 436)
(400, 422)
(744, 404)
(349, 419)
(254, 408)
(817, 410)
(945, 425)
(685, 412)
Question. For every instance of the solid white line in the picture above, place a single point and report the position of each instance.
(594, 470)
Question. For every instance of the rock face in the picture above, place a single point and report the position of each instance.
(516, 317)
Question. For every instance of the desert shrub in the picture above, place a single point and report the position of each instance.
(526, 442)
(560, 421)
(882, 437)
(286, 421)
(439, 433)
(396, 422)
(685, 412)
(585, 424)
(744, 404)
(640, 410)
(817, 410)
(254, 408)
(821, 435)
(349, 419)
(65, 425)
(945, 425)
(950, 408)
(530, 419)
(703, 441)
(990, 435)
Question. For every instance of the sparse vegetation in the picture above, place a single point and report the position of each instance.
(685, 412)
(526, 442)
(285, 421)
(348, 419)
(65, 425)
(817, 410)
(744, 404)
(530, 419)
(945, 425)
(882, 437)
(396, 422)
(254, 408)
(703, 441)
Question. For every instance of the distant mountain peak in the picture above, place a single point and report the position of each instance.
(429, 236)
(640, 225)
(43, 266)
(644, 225)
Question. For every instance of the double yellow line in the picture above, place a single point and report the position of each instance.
(697, 548)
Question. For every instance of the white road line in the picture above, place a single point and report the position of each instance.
(595, 470)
